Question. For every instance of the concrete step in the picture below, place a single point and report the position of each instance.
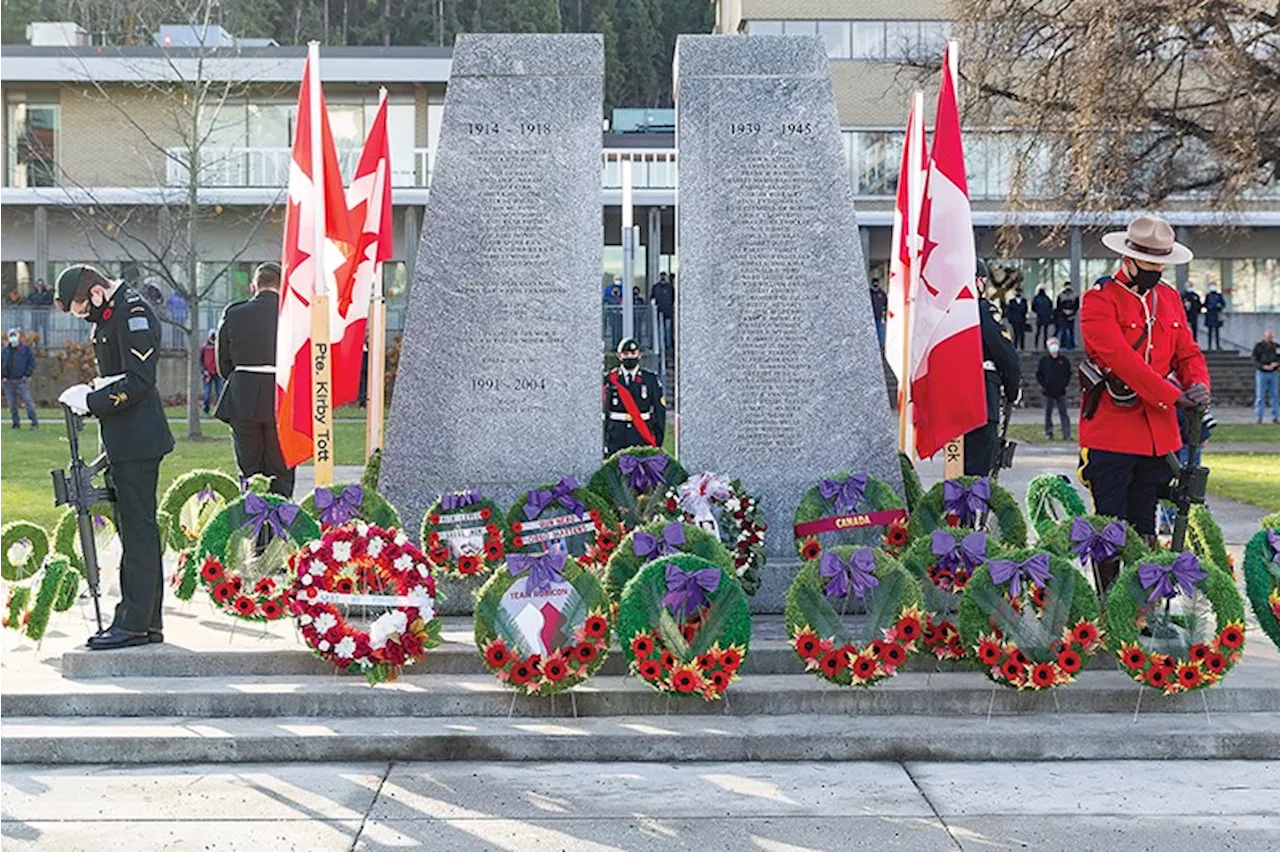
(671, 739)
(1249, 689)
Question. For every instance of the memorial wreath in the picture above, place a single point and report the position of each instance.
(1030, 619)
(685, 626)
(542, 625)
(634, 481)
(365, 569)
(856, 510)
(869, 647)
(567, 517)
(66, 535)
(1175, 651)
(963, 503)
(657, 540)
(1093, 540)
(1051, 500)
(342, 504)
(725, 509)
(942, 564)
(56, 591)
(190, 502)
(463, 533)
(1262, 579)
(23, 547)
(911, 487)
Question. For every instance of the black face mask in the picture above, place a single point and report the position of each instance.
(1145, 279)
(630, 364)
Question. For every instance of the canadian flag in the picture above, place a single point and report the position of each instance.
(369, 206)
(314, 194)
(948, 392)
(904, 266)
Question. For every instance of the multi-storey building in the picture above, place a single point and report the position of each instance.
(869, 41)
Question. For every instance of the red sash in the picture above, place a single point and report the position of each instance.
(846, 522)
(629, 403)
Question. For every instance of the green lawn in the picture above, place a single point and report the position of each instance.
(27, 456)
(1252, 478)
(1226, 433)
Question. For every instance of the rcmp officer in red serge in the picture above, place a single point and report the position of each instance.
(1135, 335)
(135, 435)
(635, 412)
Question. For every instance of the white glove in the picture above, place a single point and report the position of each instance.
(76, 398)
(102, 381)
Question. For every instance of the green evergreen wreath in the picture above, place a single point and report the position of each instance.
(876, 496)
(66, 535)
(1051, 500)
(581, 638)
(469, 511)
(372, 470)
(725, 506)
(1262, 579)
(1271, 522)
(16, 613)
(23, 547)
(590, 548)
(912, 489)
(186, 577)
(229, 536)
(942, 586)
(636, 506)
(1060, 543)
(1204, 536)
(1038, 638)
(1184, 651)
(682, 652)
(181, 520)
(879, 641)
(1005, 523)
(624, 563)
(372, 508)
(56, 577)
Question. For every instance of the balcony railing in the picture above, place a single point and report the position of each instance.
(269, 167)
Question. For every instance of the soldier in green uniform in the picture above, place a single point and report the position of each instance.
(135, 436)
(635, 412)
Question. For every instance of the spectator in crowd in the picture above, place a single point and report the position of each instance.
(1214, 304)
(41, 298)
(1067, 308)
(176, 307)
(1266, 361)
(1193, 306)
(664, 296)
(19, 364)
(879, 308)
(152, 294)
(209, 370)
(613, 292)
(1016, 313)
(1054, 376)
(14, 297)
(1042, 307)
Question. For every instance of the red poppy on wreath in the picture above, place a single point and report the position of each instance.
(584, 652)
(497, 654)
(684, 680)
(1158, 677)
(244, 605)
(597, 626)
(719, 680)
(493, 550)
(485, 513)
(211, 571)
(1189, 676)
(1011, 670)
(1198, 651)
(468, 564)
(1086, 633)
(1043, 674)
(650, 670)
(265, 586)
(224, 592)
(953, 520)
(433, 519)
(607, 540)
(990, 652)
(706, 661)
(667, 660)
(907, 629)
(271, 610)
(807, 645)
(521, 672)
(1133, 657)
(344, 585)
(554, 667)
(1231, 636)
(1215, 663)
(1069, 661)
(811, 549)
(642, 646)
(896, 538)
(864, 666)
(894, 654)
(831, 663)
(439, 555)
(730, 659)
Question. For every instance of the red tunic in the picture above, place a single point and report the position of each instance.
(1112, 319)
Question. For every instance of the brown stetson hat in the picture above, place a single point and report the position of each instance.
(1151, 239)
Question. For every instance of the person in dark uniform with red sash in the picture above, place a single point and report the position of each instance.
(635, 412)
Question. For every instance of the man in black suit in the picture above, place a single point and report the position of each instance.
(246, 352)
(1002, 371)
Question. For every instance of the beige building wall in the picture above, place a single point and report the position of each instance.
(877, 94)
(115, 140)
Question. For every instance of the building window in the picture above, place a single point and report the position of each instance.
(764, 28)
(836, 36)
(800, 28)
(33, 131)
(874, 158)
(868, 40)
(895, 41)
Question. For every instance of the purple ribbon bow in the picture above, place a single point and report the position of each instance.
(100, 521)
(1097, 546)
(1273, 539)
(1164, 580)
(562, 494)
(337, 509)
(856, 573)
(260, 512)
(1033, 570)
(968, 553)
(543, 569)
(687, 590)
(648, 546)
(644, 473)
(204, 495)
(459, 499)
(968, 502)
(845, 495)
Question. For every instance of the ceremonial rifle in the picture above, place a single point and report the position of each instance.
(74, 487)
(1191, 483)
(1004, 454)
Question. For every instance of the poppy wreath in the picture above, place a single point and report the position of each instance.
(23, 547)
(1091, 540)
(715, 503)
(855, 510)
(368, 567)
(634, 480)
(1051, 500)
(911, 487)
(685, 626)
(657, 540)
(465, 515)
(66, 535)
(1030, 620)
(190, 502)
(17, 608)
(564, 511)
(342, 504)
(960, 503)
(568, 651)
(1262, 579)
(268, 599)
(1184, 650)
(889, 632)
(1204, 537)
(57, 591)
(942, 564)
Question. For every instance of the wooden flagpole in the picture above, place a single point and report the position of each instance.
(321, 364)
(375, 393)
